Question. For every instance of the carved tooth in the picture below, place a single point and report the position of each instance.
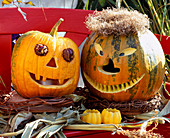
(127, 85)
(110, 89)
(122, 86)
(131, 83)
(44, 78)
(118, 88)
(98, 86)
(37, 76)
(134, 80)
(114, 89)
(104, 88)
(101, 86)
(61, 81)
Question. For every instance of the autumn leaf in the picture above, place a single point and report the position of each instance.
(30, 3)
(19, 1)
(7, 2)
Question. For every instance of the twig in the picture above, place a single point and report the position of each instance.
(12, 133)
(107, 127)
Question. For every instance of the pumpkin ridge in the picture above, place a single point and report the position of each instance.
(24, 62)
(35, 58)
(89, 55)
(17, 50)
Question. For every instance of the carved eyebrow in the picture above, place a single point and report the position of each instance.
(127, 51)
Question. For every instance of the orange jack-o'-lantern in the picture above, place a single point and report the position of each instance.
(122, 60)
(45, 64)
(123, 68)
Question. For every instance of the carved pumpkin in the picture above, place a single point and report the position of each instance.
(122, 60)
(111, 116)
(44, 64)
(123, 68)
(91, 116)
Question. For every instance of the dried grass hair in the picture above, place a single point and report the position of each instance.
(117, 21)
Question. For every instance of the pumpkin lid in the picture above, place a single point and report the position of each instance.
(117, 21)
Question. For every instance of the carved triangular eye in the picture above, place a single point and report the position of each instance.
(98, 49)
(41, 49)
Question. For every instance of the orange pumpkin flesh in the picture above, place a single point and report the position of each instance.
(49, 74)
(123, 68)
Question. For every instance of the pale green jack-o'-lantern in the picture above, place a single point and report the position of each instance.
(123, 68)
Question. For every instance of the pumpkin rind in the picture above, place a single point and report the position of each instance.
(141, 72)
(34, 75)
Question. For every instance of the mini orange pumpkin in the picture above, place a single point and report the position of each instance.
(111, 116)
(93, 116)
(45, 64)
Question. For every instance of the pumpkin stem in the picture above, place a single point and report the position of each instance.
(55, 27)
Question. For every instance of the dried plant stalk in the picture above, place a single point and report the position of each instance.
(117, 22)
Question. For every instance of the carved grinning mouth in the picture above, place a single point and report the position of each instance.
(112, 88)
(49, 81)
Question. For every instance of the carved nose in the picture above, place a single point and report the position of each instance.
(52, 63)
(110, 67)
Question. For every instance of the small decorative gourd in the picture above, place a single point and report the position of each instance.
(122, 60)
(44, 64)
(92, 116)
(111, 116)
